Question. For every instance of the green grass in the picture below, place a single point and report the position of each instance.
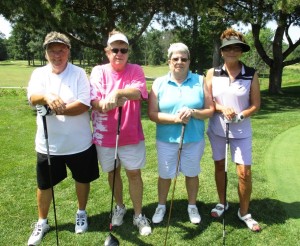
(18, 184)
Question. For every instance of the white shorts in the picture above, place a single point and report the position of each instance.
(240, 148)
(167, 156)
(132, 156)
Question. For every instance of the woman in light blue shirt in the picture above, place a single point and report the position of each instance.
(180, 97)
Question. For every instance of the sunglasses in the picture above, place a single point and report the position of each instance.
(176, 59)
(233, 48)
(122, 50)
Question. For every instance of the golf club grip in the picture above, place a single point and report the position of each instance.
(182, 135)
(45, 127)
(119, 120)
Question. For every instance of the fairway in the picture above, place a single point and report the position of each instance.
(282, 165)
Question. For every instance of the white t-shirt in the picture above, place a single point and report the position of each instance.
(66, 134)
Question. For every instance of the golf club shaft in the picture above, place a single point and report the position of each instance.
(225, 178)
(175, 179)
(50, 175)
(115, 165)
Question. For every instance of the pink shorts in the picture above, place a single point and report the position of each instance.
(240, 148)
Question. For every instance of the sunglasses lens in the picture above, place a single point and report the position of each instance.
(122, 50)
(176, 59)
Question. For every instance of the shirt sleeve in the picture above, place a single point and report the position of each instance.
(36, 84)
(95, 84)
(138, 80)
(83, 95)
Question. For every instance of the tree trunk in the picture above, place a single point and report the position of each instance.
(217, 53)
(276, 67)
(275, 79)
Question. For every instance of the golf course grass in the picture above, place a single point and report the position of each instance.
(282, 163)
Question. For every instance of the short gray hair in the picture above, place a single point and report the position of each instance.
(178, 47)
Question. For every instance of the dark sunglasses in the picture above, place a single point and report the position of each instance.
(176, 59)
(122, 50)
(232, 48)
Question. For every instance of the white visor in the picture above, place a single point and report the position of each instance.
(117, 37)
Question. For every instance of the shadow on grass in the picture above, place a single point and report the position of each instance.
(266, 211)
(289, 100)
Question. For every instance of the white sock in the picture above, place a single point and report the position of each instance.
(118, 207)
(161, 206)
(139, 216)
(43, 221)
(81, 211)
(192, 206)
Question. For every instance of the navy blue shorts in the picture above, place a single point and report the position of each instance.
(83, 166)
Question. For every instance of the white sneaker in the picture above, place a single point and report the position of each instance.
(118, 215)
(81, 223)
(143, 224)
(159, 215)
(38, 233)
(194, 215)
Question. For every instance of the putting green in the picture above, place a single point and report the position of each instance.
(283, 168)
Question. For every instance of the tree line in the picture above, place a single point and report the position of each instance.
(197, 23)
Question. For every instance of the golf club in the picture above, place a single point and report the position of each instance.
(111, 240)
(50, 174)
(174, 183)
(225, 173)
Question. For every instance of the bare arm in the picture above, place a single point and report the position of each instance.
(209, 108)
(254, 97)
(57, 104)
(116, 99)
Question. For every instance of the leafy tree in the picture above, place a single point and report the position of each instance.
(258, 13)
(3, 50)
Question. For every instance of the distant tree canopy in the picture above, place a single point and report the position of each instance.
(198, 23)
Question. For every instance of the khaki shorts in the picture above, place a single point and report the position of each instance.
(132, 156)
(167, 156)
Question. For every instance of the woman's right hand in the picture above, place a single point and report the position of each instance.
(229, 113)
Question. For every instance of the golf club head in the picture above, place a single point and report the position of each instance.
(111, 240)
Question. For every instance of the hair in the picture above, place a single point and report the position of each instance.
(232, 33)
(178, 47)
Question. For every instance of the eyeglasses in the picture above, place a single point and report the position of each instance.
(176, 59)
(56, 52)
(122, 50)
(233, 48)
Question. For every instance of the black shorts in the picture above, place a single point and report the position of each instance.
(83, 165)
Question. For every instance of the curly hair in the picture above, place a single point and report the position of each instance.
(232, 33)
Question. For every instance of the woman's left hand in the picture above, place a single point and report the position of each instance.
(185, 114)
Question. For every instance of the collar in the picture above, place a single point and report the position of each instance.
(223, 69)
(188, 77)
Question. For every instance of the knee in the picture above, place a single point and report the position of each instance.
(133, 174)
(245, 176)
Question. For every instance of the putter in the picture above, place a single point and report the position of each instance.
(225, 173)
(50, 175)
(175, 179)
(111, 240)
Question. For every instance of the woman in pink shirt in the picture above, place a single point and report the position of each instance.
(113, 85)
